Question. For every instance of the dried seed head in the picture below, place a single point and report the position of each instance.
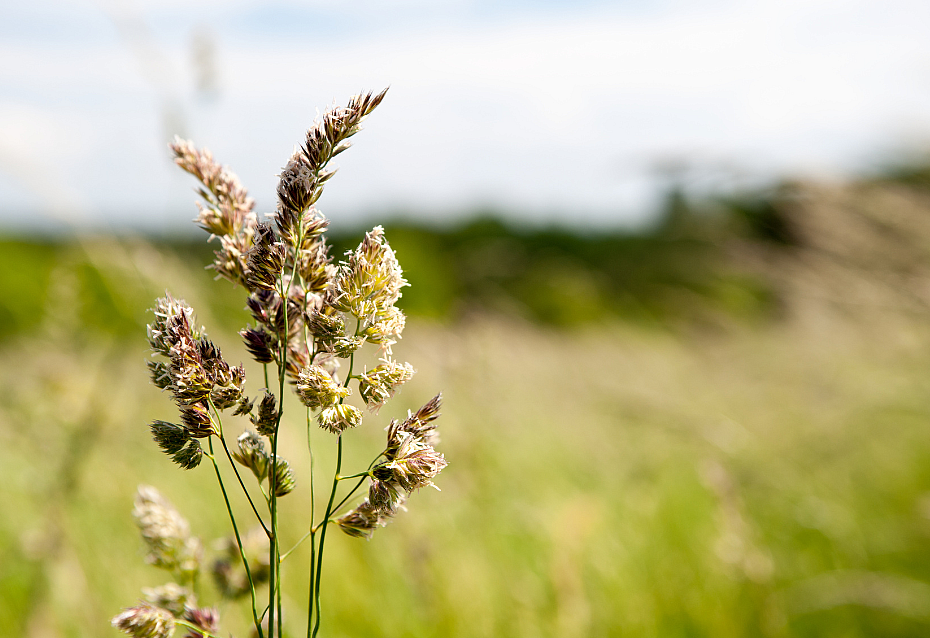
(231, 261)
(297, 360)
(267, 418)
(171, 597)
(169, 437)
(295, 190)
(302, 179)
(313, 261)
(381, 383)
(190, 382)
(226, 396)
(340, 417)
(266, 306)
(166, 533)
(360, 522)
(243, 407)
(326, 138)
(227, 380)
(145, 621)
(364, 519)
(252, 454)
(317, 389)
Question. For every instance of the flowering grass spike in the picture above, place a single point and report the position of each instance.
(311, 317)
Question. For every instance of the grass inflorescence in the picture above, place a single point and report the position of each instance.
(310, 319)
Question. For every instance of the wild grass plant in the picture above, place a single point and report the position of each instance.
(310, 317)
(617, 478)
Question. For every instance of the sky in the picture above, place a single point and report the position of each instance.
(574, 113)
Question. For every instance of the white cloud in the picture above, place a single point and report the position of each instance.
(555, 111)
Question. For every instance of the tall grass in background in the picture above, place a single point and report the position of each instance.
(706, 461)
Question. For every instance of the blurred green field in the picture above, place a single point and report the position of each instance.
(704, 455)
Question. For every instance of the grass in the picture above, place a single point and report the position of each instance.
(612, 479)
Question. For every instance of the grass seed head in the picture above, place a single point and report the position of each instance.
(265, 260)
(189, 456)
(169, 437)
(171, 597)
(259, 342)
(252, 454)
(145, 621)
(340, 417)
(207, 619)
(283, 476)
(414, 465)
(229, 207)
(381, 382)
(368, 282)
(165, 532)
(227, 570)
(162, 332)
(317, 388)
(267, 418)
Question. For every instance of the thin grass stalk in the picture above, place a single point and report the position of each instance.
(332, 497)
(219, 422)
(232, 519)
(311, 590)
(325, 524)
(275, 552)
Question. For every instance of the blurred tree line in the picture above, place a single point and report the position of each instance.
(742, 256)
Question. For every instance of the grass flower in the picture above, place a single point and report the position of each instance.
(339, 418)
(317, 389)
(166, 533)
(310, 317)
(171, 597)
(145, 621)
(380, 383)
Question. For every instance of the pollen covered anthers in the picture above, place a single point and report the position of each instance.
(381, 382)
(199, 379)
(367, 286)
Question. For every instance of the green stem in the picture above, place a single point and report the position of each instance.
(311, 590)
(193, 627)
(232, 518)
(349, 495)
(275, 550)
(360, 474)
(329, 511)
(219, 423)
(296, 545)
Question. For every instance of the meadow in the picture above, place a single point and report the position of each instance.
(714, 452)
